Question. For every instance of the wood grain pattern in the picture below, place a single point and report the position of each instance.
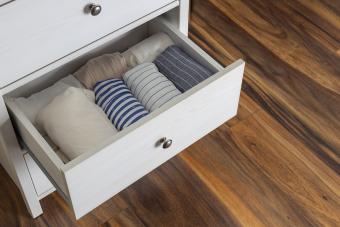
(275, 164)
(125, 218)
(299, 100)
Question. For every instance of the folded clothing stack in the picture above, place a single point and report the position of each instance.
(126, 88)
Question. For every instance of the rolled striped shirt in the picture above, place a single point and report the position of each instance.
(150, 86)
(119, 104)
(181, 69)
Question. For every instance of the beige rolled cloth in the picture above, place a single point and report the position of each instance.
(147, 50)
(101, 68)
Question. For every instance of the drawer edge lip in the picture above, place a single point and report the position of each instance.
(7, 88)
(172, 104)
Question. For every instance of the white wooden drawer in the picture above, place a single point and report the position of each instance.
(37, 33)
(96, 176)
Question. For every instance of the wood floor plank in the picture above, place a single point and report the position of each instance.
(12, 208)
(245, 191)
(126, 218)
(324, 13)
(307, 18)
(250, 164)
(174, 196)
(246, 108)
(276, 159)
(278, 33)
(307, 109)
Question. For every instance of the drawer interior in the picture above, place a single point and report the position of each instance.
(61, 174)
(119, 44)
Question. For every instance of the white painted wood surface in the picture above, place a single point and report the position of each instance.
(94, 177)
(11, 155)
(44, 31)
(11, 158)
(41, 183)
(85, 50)
(179, 16)
(38, 145)
(184, 10)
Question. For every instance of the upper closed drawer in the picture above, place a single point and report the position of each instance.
(36, 33)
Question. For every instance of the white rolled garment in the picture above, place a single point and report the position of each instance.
(34, 103)
(147, 50)
(75, 123)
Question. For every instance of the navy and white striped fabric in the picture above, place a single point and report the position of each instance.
(150, 86)
(181, 69)
(117, 101)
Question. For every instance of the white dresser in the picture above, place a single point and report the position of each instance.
(42, 41)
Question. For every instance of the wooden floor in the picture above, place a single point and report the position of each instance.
(276, 164)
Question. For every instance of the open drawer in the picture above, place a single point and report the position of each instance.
(96, 176)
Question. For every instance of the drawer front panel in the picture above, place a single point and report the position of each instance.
(34, 34)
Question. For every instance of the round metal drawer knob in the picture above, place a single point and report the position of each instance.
(95, 9)
(166, 143)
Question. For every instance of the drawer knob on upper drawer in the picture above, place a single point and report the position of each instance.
(95, 9)
(166, 143)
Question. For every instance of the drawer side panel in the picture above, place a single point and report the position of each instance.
(37, 145)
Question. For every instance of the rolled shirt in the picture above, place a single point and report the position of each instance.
(119, 104)
(150, 86)
(181, 69)
(101, 68)
(75, 123)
